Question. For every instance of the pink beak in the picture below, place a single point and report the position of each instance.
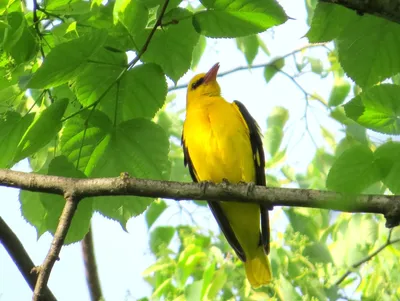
(211, 75)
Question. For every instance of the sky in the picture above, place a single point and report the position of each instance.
(123, 256)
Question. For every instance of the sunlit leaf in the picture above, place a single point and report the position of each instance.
(160, 237)
(377, 108)
(13, 127)
(353, 171)
(175, 59)
(249, 46)
(104, 151)
(44, 210)
(328, 22)
(154, 211)
(66, 60)
(237, 18)
(44, 128)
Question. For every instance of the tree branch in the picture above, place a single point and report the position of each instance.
(388, 9)
(368, 258)
(125, 185)
(89, 260)
(241, 68)
(58, 240)
(21, 258)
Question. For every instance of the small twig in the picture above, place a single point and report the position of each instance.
(89, 261)
(36, 23)
(71, 204)
(152, 32)
(21, 258)
(49, 14)
(241, 68)
(367, 258)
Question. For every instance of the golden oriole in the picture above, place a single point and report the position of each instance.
(221, 140)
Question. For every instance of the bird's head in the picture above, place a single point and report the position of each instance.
(204, 84)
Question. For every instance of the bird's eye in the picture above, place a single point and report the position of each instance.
(197, 83)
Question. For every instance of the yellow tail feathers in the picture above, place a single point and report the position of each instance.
(258, 270)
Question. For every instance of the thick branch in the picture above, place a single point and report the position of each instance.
(21, 258)
(125, 185)
(388, 9)
(58, 240)
(89, 260)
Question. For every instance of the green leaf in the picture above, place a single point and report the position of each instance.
(18, 38)
(316, 65)
(310, 7)
(160, 237)
(85, 139)
(176, 58)
(329, 137)
(193, 291)
(154, 211)
(249, 46)
(328, 22)
(219, 280)
(369, 229)
(44, 210)
(13, 127)
(278, 117)
(142, 91)
(66, 60)
(43, 129)
(273, 138)
(353, 171)
(377, 108)
(131, 14)
(340, 90)
(387, 159)
(368, 52)
(187, 261)
(318, 252)
(301, 223)
(271, 70)
(33, 210)
(198, 51)
(97, 77)
(237, 18)
(208, 275)
(107, 151)
(286, 290)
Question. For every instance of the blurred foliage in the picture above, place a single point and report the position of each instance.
(74, 103)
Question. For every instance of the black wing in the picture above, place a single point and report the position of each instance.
(259, 163)
(215, 208)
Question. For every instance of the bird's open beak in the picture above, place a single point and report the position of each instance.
(211, 75)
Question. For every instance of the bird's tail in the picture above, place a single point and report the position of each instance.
(258, 269)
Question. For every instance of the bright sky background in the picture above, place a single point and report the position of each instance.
(122, 256)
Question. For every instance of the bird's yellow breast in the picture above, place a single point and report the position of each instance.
(218, 141)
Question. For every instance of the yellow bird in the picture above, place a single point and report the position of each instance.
(221, 140)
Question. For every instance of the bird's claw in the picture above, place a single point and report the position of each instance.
(204, 186)
(225, 183)
(249, 187)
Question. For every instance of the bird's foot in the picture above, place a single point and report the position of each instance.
(203, 186)
(249, 187)
(225, 183)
